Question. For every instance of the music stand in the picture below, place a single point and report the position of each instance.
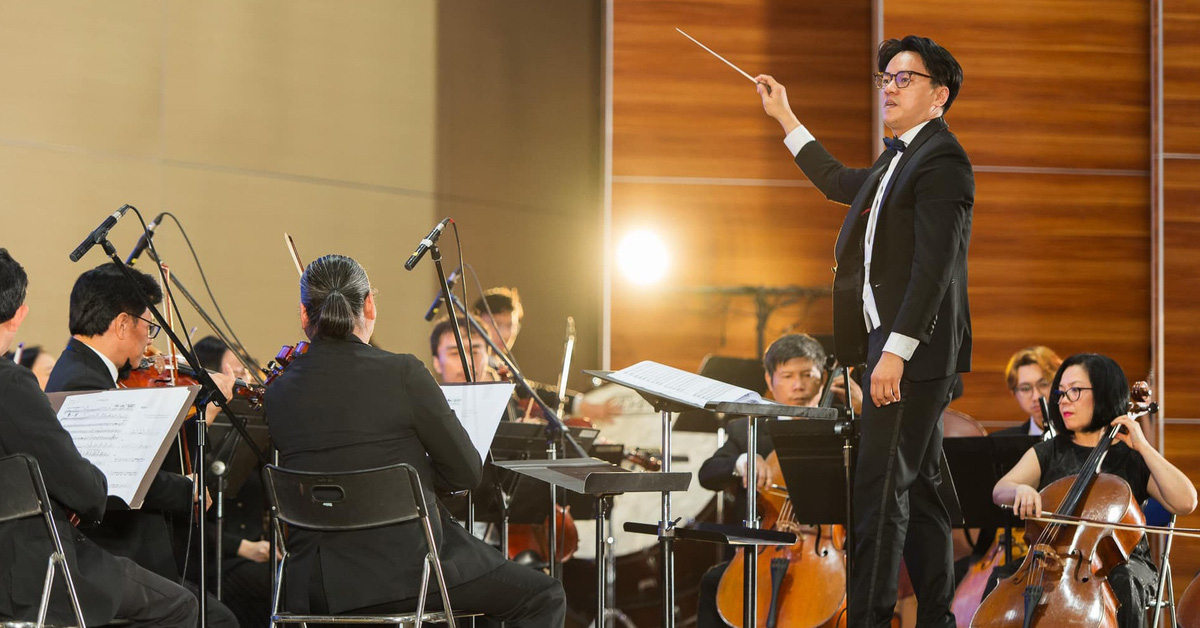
(666, 531)
(979, 462)
(602, 480)
(745, 372)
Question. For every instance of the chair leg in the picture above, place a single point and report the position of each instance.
(433, 557)
(45, 604)
(421, 595)
(75, 605)
(278, 588)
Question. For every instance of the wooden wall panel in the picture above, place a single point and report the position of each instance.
(1182, 288)
(1181, 76)
(1042, 88)
(678, 111)
(721, 236)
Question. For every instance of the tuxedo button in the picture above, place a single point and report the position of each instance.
(833, 270)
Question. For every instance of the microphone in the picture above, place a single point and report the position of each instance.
(99, 233)
(424, 245)
(437, 301)
(144, 241)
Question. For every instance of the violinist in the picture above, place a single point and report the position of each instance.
(1028, 376)
(1090, 393)
(795, 378)
(109, 587)
(345, 405)
(110, 332)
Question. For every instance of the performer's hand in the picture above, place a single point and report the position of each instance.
(760, 469)
(856, 396)
(775, 102)
(224, 382)
(1132, 436)
(257, 551)
(885, 379)
(1028, 502)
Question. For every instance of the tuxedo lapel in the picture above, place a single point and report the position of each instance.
(861, 203)
(934, 126)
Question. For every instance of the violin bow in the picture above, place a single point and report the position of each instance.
(291, 244)
(1049, 517)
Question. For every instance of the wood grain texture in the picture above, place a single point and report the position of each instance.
(1181, 76)
(1050, 83)
(1181, 288)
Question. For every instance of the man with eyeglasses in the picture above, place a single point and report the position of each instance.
(110, 332)
(1028, 374)
(900, 305)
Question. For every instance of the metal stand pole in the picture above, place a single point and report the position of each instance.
(602, 504)
(666, 532)
(218, 559)
(749, 555)
(552, 559)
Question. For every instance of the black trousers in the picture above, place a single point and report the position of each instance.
(514, 594)
(148, 599)
(897, 509)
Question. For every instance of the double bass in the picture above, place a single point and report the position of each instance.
(1062, 580)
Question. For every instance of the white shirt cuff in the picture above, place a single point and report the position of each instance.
(797, 139)
(739, 466)
(901, 345)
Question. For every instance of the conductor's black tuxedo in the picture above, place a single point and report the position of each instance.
(28, 425)
(142, 535)
(345, 405)
(919, 284)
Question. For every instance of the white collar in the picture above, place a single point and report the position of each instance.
(112, 368)
(911, 134)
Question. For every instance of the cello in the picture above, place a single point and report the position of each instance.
(807, 579)
(1062, 579)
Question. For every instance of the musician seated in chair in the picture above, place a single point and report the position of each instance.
(110, 332)
(345, 405)
(795, 377)
(446, 361)
(1090, 393)
(1028, 375)
(109, 587)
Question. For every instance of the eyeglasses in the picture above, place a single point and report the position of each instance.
(152, 329)
(902, 78)
(1028, 389)
(1071, 394)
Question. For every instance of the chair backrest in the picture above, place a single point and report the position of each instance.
(19, 482)
(351, 500)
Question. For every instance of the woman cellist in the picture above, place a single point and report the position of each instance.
(1089, 394)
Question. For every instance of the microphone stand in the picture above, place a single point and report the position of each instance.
(208, 393)
(238, 350)
(554, 426)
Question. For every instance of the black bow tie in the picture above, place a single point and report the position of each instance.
(894, 143)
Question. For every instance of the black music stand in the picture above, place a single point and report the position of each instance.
(666, 403)
(602, 480)
(979, 462)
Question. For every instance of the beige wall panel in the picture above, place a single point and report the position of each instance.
(678, 111)
(237, 223)
(332, 90)
(1181, 76)
(1054, 83)
(81, 73)
(52, 200)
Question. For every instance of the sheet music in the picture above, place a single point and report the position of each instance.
(126, 433)
(479, 406)
(679, 385)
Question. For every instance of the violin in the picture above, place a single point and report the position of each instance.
(1061, 581)
(807, 579)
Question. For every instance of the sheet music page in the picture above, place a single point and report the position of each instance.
(479, 406)
(682, 386)
(126, 432)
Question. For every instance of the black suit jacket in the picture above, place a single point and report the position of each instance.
(28, 425)
(345, 405)
(919, 260)
(1021, 429)
(142, 535)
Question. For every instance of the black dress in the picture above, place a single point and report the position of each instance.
(1133, 582)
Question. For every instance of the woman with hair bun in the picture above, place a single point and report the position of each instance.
(345, 405)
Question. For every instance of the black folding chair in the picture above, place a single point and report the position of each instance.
(23, 494)
(354, 500)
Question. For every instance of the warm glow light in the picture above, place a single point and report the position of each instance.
(642, 257)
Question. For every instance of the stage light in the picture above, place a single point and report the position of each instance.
(642, 257)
